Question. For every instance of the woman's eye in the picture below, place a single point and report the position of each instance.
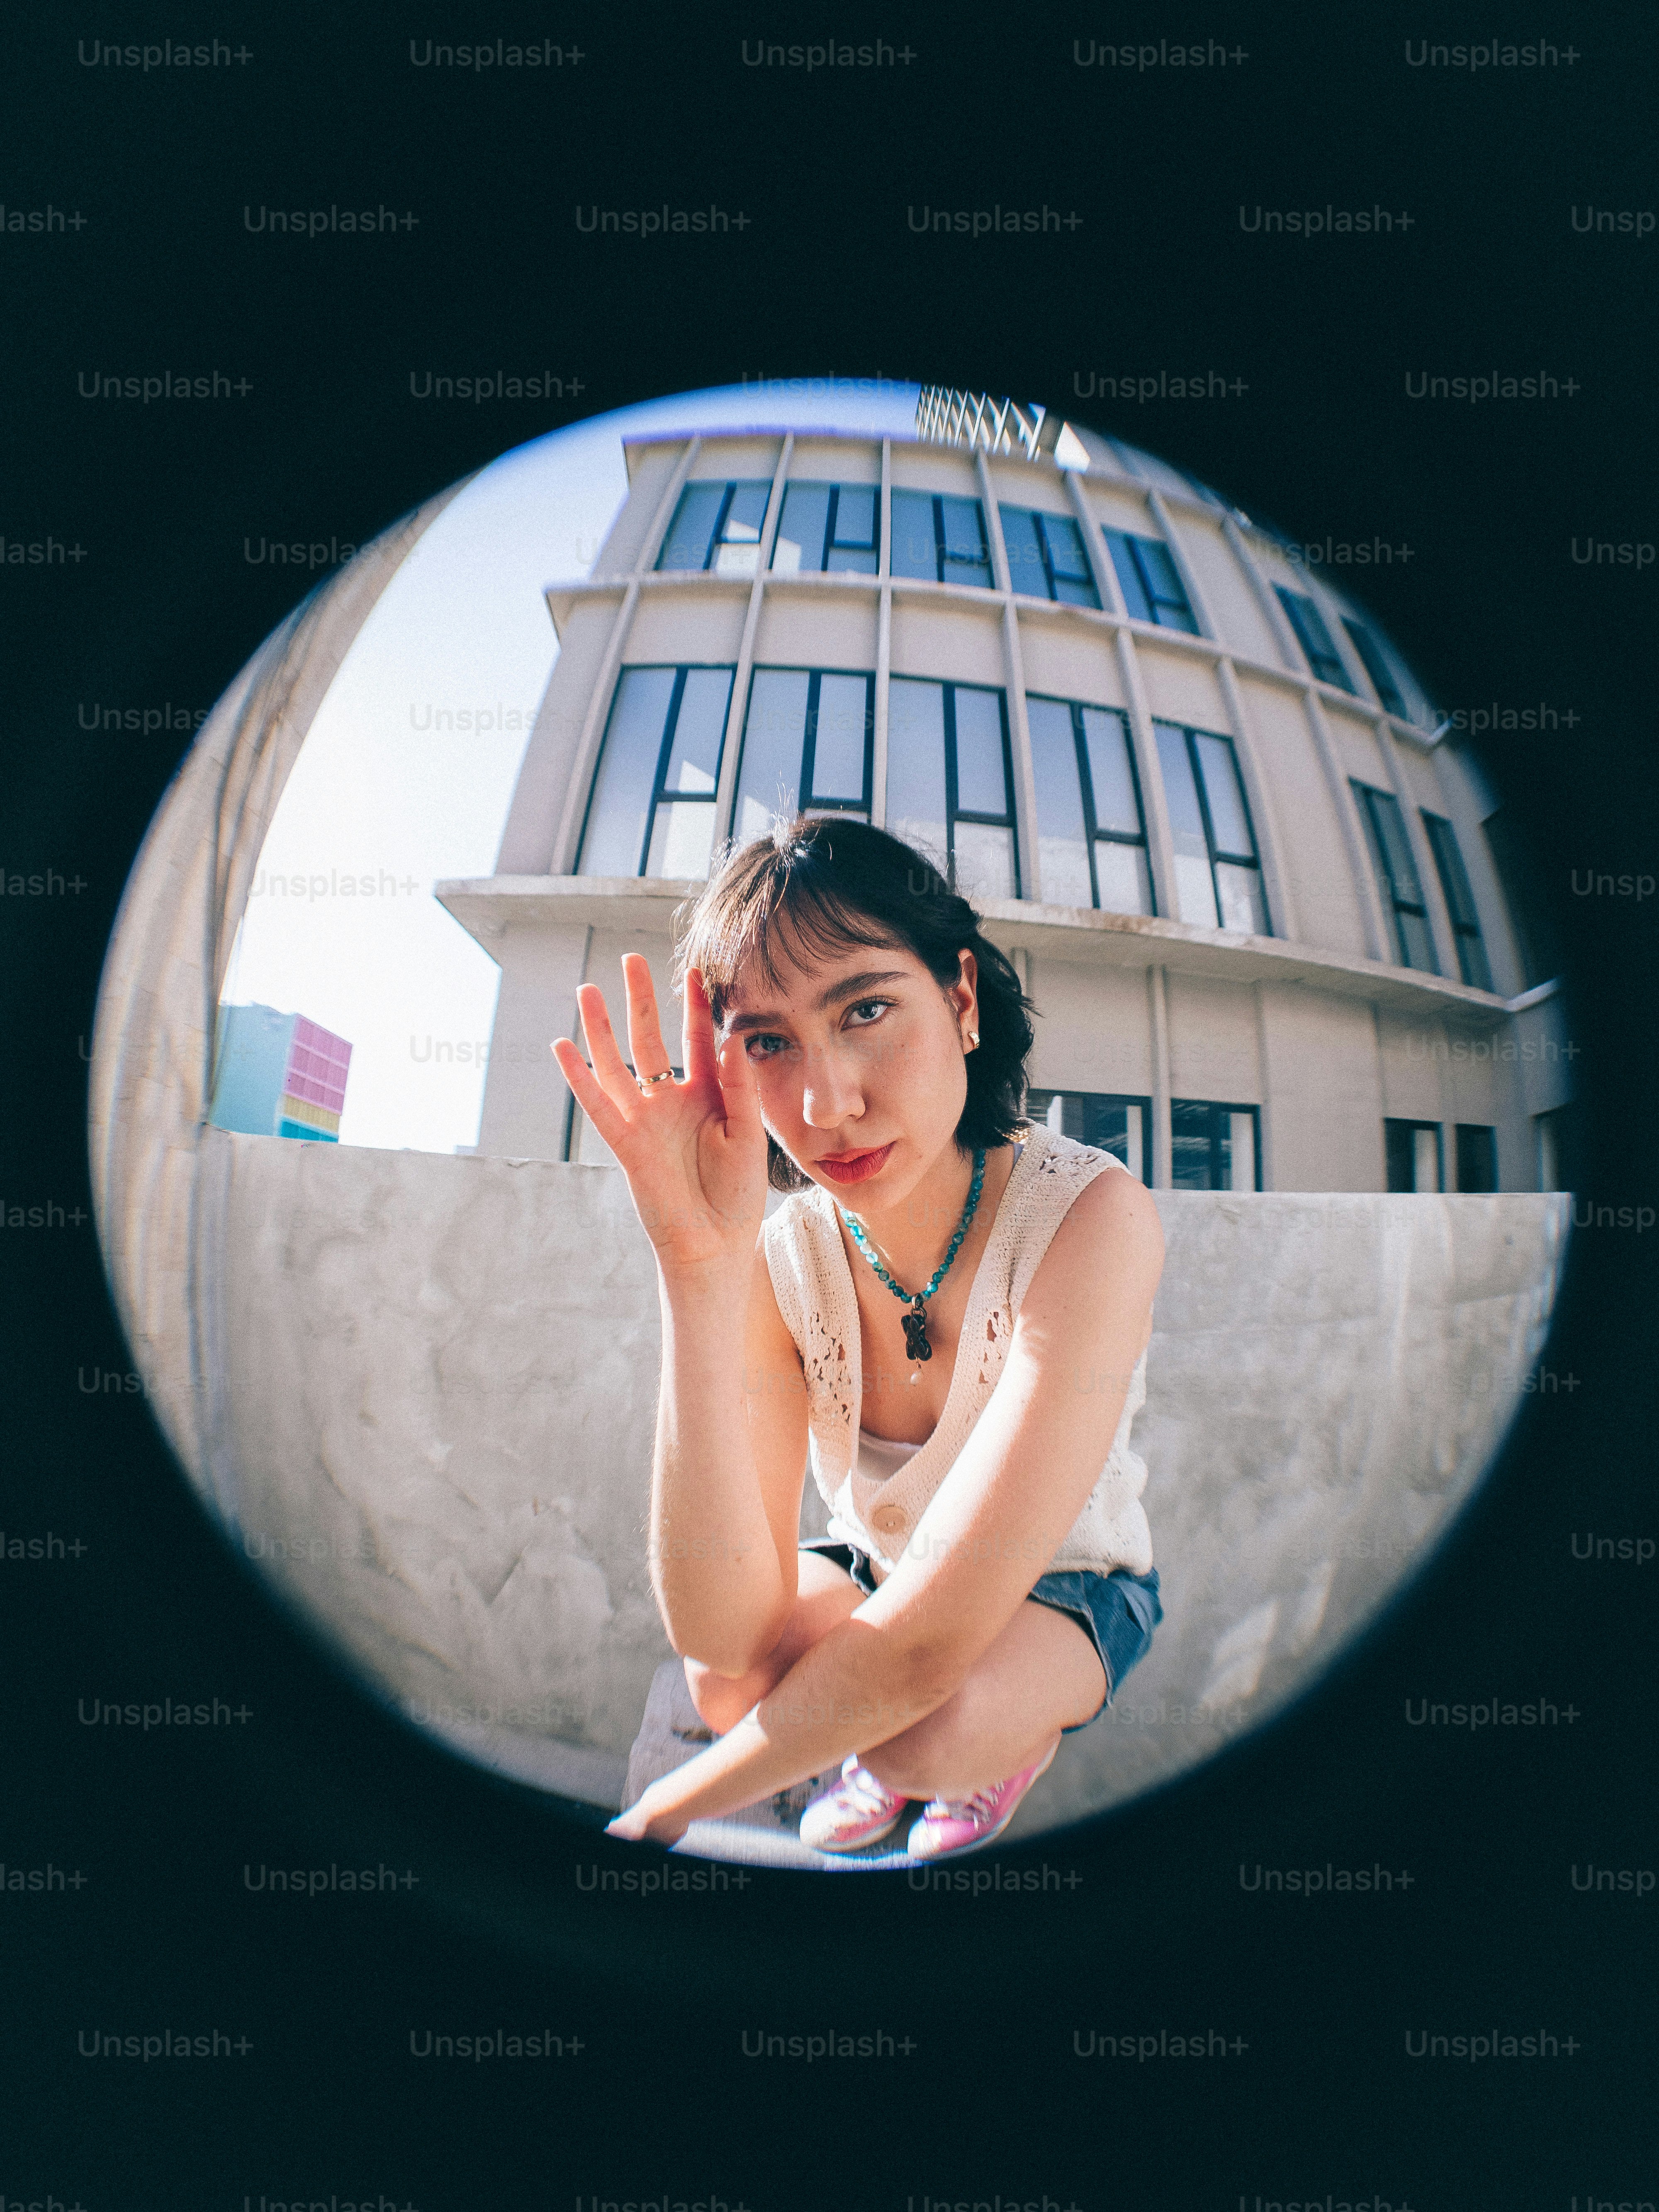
(764, 1037)
(880, 1003)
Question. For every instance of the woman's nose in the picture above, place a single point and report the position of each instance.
(832, 1091)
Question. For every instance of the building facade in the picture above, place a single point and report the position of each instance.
(278, 1075)
(1264, 905)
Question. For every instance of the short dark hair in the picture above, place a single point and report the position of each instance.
(828, 884)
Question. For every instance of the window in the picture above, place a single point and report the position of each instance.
(1214, 1147)
(1046, 557)
(937, 536)
(807, 743)
(1109, 1123)
(1092, 834)
(1316, 640)
(1396, 876)
(1217, 875)
(1149, 581)
(1411, 1152)
(1471, 963)
(1375, 667)
(949, 782)
(1477, 1158)
(652, 809)
(828, 528)
(717, 526)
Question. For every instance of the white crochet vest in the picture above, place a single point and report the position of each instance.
(813, 1284)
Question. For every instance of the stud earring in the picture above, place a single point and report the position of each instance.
(973, 1037)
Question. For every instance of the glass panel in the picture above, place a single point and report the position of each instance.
(1375, 667)
(1425, 1159)
(800, 542)
(627, 772)
(1194, 888)
(694, 759)
(1109, 772)
(736, 559)
(1460, 900)
(1066, 555)
(1239, 1149)
(1025, 570)
(1125, 882)
(1316, 639)
(1227, 817)
(686, 545)
(1417, 943)
(966, 561)
(1243, 906)
(769, 781)
(982, 777)
(915, 553)
(1477, 1158)
(916, 765)
(855, 517)
(1063, 848)
(739, 548)
(1136, 600)
(682, 838)
(985, 861)
(1396, 850)
(842, 561)
(1163, 577)
(1190, 1125)
(844, 720)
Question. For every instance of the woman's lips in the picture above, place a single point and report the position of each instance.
(855, 1167)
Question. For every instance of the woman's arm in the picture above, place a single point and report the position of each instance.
(988, 1533)
(694, 1151)
(726, 1476)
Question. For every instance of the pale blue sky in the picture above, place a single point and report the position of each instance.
(377, 791)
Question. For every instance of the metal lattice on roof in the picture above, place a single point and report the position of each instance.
(948, 417)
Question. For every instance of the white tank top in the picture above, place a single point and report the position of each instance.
(877, 1489)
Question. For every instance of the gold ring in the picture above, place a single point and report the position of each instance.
(646, 1081)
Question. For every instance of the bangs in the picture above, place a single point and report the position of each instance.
(781, 901)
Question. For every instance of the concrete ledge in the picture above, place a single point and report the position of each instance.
(433, 1391)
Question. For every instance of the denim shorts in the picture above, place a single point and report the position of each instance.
(1117, 1612)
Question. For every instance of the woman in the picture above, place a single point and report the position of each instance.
(952, 1312)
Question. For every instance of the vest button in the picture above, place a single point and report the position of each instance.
(890, 1520)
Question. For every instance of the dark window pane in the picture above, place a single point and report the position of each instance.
(914, 551)
(916, 765)
(981, 778)
(1396, 847)
(1316, 640)
(1375, 666)
(843, 721)
(1191, 1132)
(1417, 947)
(1477, 1158)
(855, 517)
(691, 533)
(1163, 578)
(966, 559)
(1136, 600)
(1412, 1152)
(1472, 962)
(1110, 1124)
(800, 542)
(1019, 535)
(1110, 773)
(615, 836)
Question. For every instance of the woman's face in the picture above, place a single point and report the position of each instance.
(859, 1060)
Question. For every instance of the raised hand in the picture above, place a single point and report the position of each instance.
(694, 1151)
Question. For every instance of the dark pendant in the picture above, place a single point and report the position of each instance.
(916, 1345)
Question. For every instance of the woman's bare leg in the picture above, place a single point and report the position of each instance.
(826, 1595)
(1041, 1674)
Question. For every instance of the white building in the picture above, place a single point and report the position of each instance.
(1195, 795)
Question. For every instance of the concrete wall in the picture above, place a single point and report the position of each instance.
(435, 1397)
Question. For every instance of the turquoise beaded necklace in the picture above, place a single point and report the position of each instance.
(916, 1345)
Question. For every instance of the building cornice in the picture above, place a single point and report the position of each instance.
(488, 907)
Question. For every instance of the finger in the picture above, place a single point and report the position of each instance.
(611, 1070)
(599, 1109)
(645, 1037)
(698, 1032)
(739, 1092)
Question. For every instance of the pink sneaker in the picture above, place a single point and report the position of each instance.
(961, 1824)
(856, 1810)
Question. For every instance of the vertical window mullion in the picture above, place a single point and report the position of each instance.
(950, 717)
(1086, 790)
(1204, 815)
(721, 521)
(809, 752)
(832, 506)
